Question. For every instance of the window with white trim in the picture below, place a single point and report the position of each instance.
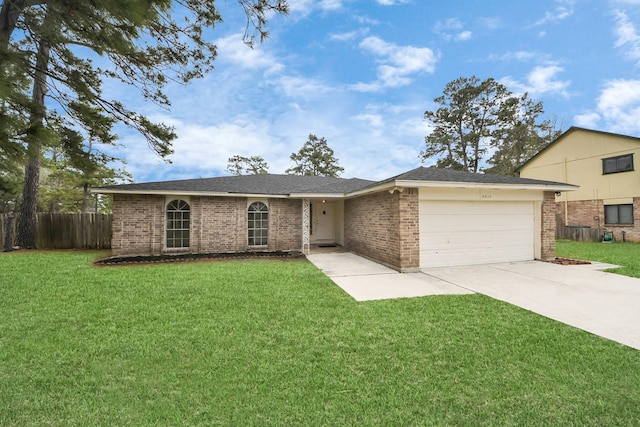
(618, 214)
(258, 224)
(178, 224)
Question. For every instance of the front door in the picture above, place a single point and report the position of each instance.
(324, 222)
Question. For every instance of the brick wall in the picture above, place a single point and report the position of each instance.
(548, 229)
(285, 224)
(384, 227)
(218, 224)
(137, 224)
(409, 229)
(586, 213)
(590, 213)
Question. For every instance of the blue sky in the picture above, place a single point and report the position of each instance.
(361, 74)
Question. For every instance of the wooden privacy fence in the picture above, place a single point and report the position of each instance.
(581, 234)
(68, 230)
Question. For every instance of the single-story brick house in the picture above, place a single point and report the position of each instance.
(426, 217)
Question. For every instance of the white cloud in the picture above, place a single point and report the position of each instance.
(397, 63)
(619, 104)
(491, 23)
(617, 108)
(233, 50)
(391, 2)
(520, 55)
(306, 7)
(448, 25)
(627, 36)
(463, 36)
(452, 29)
(589, 120)
(560, 13)
(541, 80)
(330, 4)
(351, 35)
(365, 20)
(301, 87)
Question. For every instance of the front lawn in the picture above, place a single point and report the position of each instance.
(271, 342)
(625, 254)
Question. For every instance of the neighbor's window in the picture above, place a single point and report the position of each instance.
(258, 224)
(618, 214)
(617, 164)
(178, 220)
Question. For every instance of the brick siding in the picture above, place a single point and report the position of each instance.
(137, 224)
(590, 213)
(285, 224)
(385, 228)
(548, 229)
(218, 224)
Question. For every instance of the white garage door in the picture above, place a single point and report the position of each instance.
(466, 232)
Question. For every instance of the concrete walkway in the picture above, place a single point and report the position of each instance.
(604, 304)
(366, 280)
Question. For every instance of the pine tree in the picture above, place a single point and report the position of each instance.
(315, 158)
(51, 45)
(240, 165)
(476, 118)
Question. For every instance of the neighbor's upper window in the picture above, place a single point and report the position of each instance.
(618, 214)
(617, 164)
(178, 221)
(258, 224)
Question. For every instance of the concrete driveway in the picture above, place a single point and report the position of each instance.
(582, 296)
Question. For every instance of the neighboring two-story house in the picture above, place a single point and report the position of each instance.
(605, 166)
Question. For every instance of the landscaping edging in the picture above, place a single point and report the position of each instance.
(167, 258)
(569, 261)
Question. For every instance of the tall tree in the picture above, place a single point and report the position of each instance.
(475, 118)
(520, 141)
(315, 158)
(240, 165)
(67, 179)
(145, 43)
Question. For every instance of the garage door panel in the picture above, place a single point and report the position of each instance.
(475, 208)
(464, 233)
(470, 256)
(479, 239)
(471, 223)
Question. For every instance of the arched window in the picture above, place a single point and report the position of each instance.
(258, 224)
(178, 220)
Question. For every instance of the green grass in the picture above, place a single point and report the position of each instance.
(268, 342)
(626, 254)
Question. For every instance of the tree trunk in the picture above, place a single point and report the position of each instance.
(9, 14)
(26, 237)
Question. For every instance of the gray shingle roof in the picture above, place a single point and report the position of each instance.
(272, 184)
(251, 184)
(447, 175)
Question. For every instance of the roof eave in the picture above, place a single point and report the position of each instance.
(317, 195)
(552, 186)
(186, 193)
(456, 184)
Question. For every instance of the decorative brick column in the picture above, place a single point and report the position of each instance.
(548, 229)
(409, 223)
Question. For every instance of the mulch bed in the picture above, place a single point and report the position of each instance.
(568, 261)
(157, 259)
